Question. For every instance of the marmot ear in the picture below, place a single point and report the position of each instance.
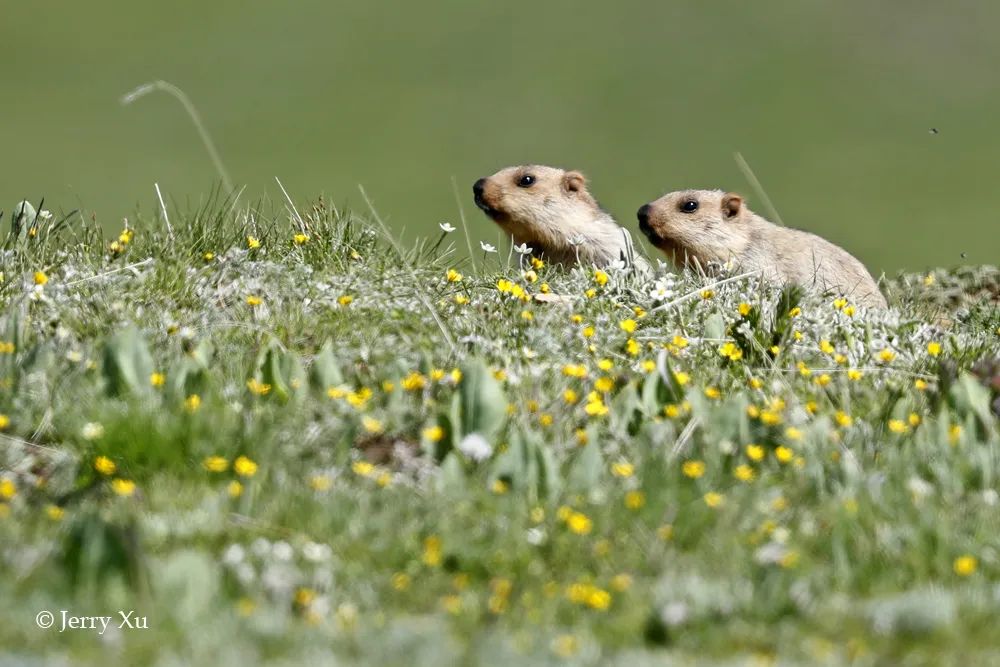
(732, 205)
(574, 181)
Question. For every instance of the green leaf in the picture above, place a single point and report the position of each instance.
(325, 372)
(484, 405)
(585, 471)
(451, 478)
(284, 372)
(127, 363)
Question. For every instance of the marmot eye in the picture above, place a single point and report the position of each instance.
(526, 181)
(690, 206)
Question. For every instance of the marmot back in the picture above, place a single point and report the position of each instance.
(713, 226)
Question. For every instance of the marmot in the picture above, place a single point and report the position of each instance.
(714, 226)
(552, 212)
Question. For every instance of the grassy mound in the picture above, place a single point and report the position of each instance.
(290, 442)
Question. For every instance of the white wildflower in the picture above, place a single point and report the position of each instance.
(446, 228)
(92, 431)
(487, 247)
(522, 249)
(475, 447)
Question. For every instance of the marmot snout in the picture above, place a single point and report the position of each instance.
(711, 226)
(552, 211)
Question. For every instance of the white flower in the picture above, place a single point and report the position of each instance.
(475, 447)
(233, 554)
(522, 249)
(92, 431)
(577, 240)
(282, 550)
(316, 553)
(674, 614)
(45, 215)
(534, 536)
(446, 228)
(487, 247)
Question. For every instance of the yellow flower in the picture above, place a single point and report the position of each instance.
(570, 396)
(599, 599)
(714, 500)
(681, 378)
(41, 278)
(234, 489)
(604, 384)
(192, 403)
(965, 565)
(104, 465)
(157, 379)
(208, 256)
(253, 242)
(731, 351)
(565, 646)
(933, 348)
(588, 332)
(744, 309)
(713, 393)
(744, 473)
(839, 303)
(414, 381)
(527, 315)
(54, 512)
(537, 263)
(123, 487)
(579, 523)
(244, 467)
(632, 347)
(454, 276)
(848, 310)
(854, 374)
(914, 419)
(595, 406)
(7, 489)
(300, 239)
(634, 500)
(622, 469)
(784, 454)
(345, 300)
(628, 326)
(793, 433)
(320, 483)
(372, 425)
(574, 370)
(789, 560)
(461, 299)
(707, 294)
(770, 417)
(886, 355)
(928, 280)
(843, 419)
(755, 452)
(812, 407)
(363, 468)
(823, 380)
(600, 277)
(826, 347)
(920, 385)
(432, 551)
(665, 532)
(433, 433)
(755, 383)
(581, 437)
(400, 581)
(804, 370)
(897, 426)
(530, 276)
(693, 469)
(795, 312)
(254, 300)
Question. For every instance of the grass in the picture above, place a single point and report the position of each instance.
(255, 436)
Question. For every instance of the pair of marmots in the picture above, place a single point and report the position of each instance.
(553, 212)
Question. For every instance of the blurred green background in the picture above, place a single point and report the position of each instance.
(831, 103)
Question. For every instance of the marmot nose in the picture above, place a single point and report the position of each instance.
(643, 215)
(478, 187)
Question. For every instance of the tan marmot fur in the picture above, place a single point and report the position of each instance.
(711, 226)
(552, 212)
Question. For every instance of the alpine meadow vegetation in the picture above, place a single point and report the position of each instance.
(280, 437)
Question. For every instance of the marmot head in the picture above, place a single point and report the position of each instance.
(535, 201)
(708, 225)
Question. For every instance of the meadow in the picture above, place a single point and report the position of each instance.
(281, 436)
